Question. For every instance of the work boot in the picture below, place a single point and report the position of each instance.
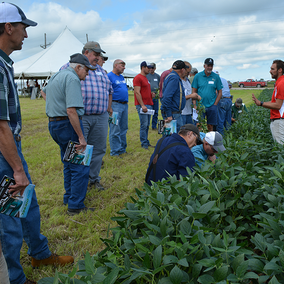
(54, 259)
(73, 212)
(29, 282)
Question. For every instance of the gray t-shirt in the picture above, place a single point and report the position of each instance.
(154, 80)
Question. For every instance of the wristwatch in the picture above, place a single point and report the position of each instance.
(261, 103)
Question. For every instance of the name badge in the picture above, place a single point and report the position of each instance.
(155, 79)
(210, 82)
(240, 111)
(99, 73)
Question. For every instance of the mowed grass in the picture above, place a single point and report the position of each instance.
(120, 176)
(245, 95)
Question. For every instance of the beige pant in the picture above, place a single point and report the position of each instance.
(277, 130)
(4, 277)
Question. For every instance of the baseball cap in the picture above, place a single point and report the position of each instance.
(81, 59)
(209, 61)
(194, 129)
(193, 71)
(153, 65)
(105, 58)
(93, 45)
(10, 13)
(179, 64)
(146, 64)
(215, 139)
(239, 102)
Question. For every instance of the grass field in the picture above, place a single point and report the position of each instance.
(120, 176)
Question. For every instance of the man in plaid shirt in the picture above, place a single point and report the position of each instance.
(97, 98)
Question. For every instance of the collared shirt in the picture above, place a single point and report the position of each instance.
(63, 91)
(162, 78)
(187, 91)
(173, 94)
(174, 161)
(120, 91)
(225, 90)
(278, 93)
(206, 87)
(154, 80)
(199, 152)
(9, 100)
(95, 90)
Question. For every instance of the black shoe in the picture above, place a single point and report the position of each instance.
(73, 212)
(98, 186)
(151, 146)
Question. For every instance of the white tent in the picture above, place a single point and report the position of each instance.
(47, 62)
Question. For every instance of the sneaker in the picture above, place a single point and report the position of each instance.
(54, 259)
(151, 146)
(98, 186)
(72, 212)
(29, 282)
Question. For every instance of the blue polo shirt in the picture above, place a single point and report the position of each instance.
(173, 94)
(199, 153)
(63, 91)
(120, 91)
(207, 86)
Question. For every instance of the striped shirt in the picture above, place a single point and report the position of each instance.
(9, 100)
(95, 91)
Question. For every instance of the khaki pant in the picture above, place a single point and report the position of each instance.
(277, 130)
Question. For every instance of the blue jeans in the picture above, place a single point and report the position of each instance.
(178, 118)
(224, 114)
(187, 119)
(155, 116)
(75, 176)
(211, 114)
(95, 132)
(144, 126)
(117, 133)
(13, 230)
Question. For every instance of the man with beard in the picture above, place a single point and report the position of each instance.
(276, 105)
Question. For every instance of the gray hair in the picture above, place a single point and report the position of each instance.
(117, 61)
(74, 65)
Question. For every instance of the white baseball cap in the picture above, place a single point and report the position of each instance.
(215, 139)
(10, 13)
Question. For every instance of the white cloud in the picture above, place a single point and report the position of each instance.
(248, 66)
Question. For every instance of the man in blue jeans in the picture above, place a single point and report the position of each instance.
(173, 101)
(12, 163)
(143, 102)
(117, 132)
(64, 107)
(154, 80)
(224, 107)
(208, 86)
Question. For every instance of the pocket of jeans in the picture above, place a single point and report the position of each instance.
(61, 134)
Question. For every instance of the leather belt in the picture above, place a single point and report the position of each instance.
(59, 118)
(120, 102)
(276, 119)
(176, 112)
(226, 97)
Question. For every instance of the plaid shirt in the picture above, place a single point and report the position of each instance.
(95, 91)
(9, 100)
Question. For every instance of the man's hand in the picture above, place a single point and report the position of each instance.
(212, 158)
(144, 108)
(21, 181)
(256, 101)
(196, 97)
(110, 111)
(153, 95)
(82, 145)
(169, 119)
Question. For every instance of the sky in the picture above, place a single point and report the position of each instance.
(243, 37)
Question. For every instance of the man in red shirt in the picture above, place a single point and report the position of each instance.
(143, 102)
(276, 105)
